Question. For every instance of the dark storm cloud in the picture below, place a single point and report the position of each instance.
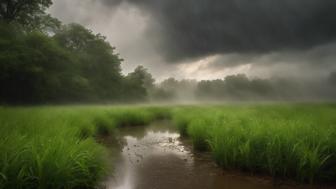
(187, 29)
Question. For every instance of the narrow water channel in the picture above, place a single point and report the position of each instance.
(155, 157)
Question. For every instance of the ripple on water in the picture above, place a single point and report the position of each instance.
(154, 157)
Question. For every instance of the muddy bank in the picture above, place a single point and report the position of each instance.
(155, 157)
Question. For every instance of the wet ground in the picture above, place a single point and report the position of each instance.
(155, 157)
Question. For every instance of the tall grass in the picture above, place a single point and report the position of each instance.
(55, 147)
(288, 141)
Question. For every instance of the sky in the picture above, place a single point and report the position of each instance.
(199, 39)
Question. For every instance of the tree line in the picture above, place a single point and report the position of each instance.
(239, 87)
(45, 61)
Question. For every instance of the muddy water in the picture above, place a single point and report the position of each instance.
(155, 157)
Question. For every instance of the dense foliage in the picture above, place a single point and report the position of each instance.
(68, 66)
(43, 61)
(72, 65)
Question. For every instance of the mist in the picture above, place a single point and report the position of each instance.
(139, 94)
(233, 50)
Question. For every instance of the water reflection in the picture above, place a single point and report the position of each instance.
(148, 148)
(154, 157)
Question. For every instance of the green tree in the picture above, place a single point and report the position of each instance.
(140, 83)
(37, 68)
(143, 77)
(32, 66)
(98, 63)
(22, 11)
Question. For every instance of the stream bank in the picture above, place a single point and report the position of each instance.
(156, 157)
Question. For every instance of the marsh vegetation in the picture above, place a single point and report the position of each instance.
(62, 88)
(56, 147)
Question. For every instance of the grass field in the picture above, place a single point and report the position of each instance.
(287, 141)
(56, 147)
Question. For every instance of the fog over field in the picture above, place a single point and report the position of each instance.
(168, 50)
(290, 42)
(138, 94)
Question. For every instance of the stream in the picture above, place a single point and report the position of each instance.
(155, 157)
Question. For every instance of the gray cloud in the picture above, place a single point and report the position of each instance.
(196, 28)
(211, 39)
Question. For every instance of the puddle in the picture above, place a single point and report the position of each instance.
(155, 157)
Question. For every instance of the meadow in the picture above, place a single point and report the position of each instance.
(285, 141)
(57, 146)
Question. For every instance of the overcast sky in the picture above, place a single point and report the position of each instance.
(199, 39)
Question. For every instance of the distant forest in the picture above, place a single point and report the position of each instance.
(45, 61)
